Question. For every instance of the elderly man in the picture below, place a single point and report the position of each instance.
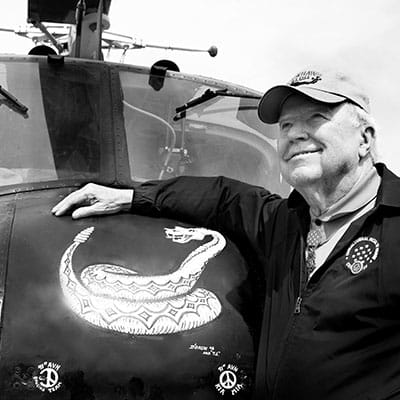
(330, 252)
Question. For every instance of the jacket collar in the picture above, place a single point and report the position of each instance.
(388, 193)
(296, 200)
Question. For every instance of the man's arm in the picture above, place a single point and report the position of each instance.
(221, 203)
(235, 208)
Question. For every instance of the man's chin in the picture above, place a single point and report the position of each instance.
(302, 176)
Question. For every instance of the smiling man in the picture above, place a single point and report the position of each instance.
(321, 134)
(329, 253)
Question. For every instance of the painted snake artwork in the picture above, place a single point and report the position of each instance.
(119, 299)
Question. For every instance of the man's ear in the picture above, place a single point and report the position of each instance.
(366, 139)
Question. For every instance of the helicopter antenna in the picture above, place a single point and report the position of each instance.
(128, 43)
(212, 51)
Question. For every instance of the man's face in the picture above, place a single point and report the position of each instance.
(318, 143)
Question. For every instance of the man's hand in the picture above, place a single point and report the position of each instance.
(94, 199)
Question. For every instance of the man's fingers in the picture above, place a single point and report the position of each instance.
(90, 211)
(94, 199)
(73, 199)
(83, 212)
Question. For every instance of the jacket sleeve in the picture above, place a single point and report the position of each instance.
(237, 209)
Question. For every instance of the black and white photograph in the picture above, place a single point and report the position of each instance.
(199, 200)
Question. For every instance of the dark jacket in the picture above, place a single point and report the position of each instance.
(335, 337)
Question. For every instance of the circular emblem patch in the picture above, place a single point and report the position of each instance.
(361, 252)
(231, 380)
(47, 377)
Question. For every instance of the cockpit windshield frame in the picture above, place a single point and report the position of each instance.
(91, 121)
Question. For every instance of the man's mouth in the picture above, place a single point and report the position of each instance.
(303, 153)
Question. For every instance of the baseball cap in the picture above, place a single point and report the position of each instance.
(324, 86)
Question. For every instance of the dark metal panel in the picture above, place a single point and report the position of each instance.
(40, 325)
(121, 147)
(7, 210)
(86, 89)
(60, 11)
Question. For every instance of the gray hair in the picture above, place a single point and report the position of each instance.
(365, 120)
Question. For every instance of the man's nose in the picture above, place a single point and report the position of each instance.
(298, 131)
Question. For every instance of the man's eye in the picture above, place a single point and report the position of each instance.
(318, 117)
(284, 126)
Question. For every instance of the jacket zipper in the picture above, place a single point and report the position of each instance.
(297, 308)
(297, 311)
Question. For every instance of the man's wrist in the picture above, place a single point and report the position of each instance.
(125, 199)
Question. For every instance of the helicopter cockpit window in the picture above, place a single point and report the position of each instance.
(221, 136)
(58, 138)
(72, 108)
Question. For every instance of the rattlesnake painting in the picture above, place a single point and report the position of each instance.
(117, 298)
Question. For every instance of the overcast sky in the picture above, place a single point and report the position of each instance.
(264, 42)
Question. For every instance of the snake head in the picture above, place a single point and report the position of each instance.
(180, 234)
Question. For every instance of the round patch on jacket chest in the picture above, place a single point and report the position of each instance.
(361, 253)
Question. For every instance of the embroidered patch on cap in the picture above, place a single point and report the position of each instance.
(305, 78)
(361, 252)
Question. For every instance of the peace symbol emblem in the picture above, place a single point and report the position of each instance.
(231, 379)
(48, 378)
(227, 380)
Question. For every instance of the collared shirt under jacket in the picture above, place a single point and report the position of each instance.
(334, 337)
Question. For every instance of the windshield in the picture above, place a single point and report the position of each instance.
(59, 136)
(81, 127)
(222, 136)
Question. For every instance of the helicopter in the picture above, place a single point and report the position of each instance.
(68, 34)
(124, 306)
